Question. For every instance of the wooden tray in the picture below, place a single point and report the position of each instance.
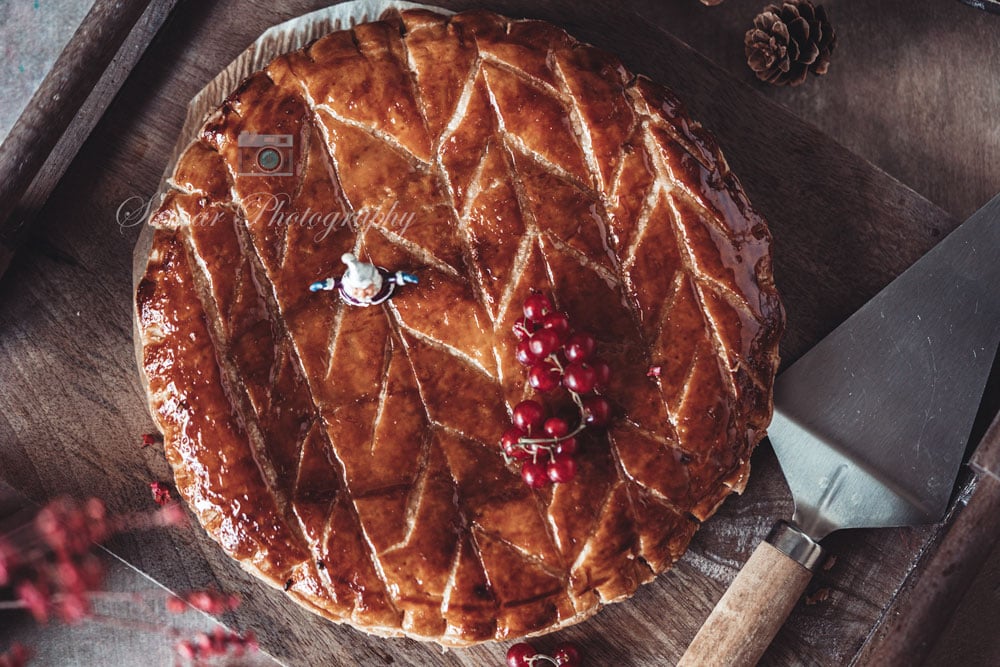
(67, 103)
(71, 406)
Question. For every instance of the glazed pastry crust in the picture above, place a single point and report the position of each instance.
(350, 455)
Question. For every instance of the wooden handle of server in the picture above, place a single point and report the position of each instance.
(750, 613)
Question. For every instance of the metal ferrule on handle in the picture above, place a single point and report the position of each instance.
(795, 544)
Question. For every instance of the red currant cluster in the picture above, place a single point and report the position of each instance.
(525, 655)
(555, 356)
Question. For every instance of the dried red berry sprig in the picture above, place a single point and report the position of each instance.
(16, 656)
(208, 601)
(216, 644)
(555, 356)
(51, 564)
(161, 493)
(523, 654)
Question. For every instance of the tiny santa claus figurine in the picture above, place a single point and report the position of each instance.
(364, 284)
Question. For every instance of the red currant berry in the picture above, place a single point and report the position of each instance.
(509, 442)
(561, 469)
(524, 354)
(597, 411)
(567, 655)
(544, 377)
(522, 329)
(536, 307)
(580, 346)
(521, 452)
(579, 378)
(534, 474)
(602, 373)
(529, 415)
(567, 446)
(511, 436)
(543, 343)
(557, 322)
(555, 427)
(518, 654)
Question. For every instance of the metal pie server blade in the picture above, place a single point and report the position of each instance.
(870, 426)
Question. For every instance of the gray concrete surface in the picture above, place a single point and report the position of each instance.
(32, 35)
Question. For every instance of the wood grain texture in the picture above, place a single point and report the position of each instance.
(911, 87)
(915, 620)
(18, 224)
(54, 105)
(754, 607)
(946, 572)
(71, 406)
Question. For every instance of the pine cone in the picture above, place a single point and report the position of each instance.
(788, 42)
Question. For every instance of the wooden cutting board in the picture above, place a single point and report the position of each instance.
(72, 408)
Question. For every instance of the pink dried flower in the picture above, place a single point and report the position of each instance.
(219, 643)
(76, 576)
(90, 569)
(59, 574)
(97, 519)
(57, 579)
(654, 371)
(208, 601)
(213, 602)
(9, 561)
(70, 528)
(35, 597)
(171, 514)
(16, 656)
(161, 493)
(69, 576)
(72, 607)
(186, 650)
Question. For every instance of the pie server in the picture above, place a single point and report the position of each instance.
(870, 427)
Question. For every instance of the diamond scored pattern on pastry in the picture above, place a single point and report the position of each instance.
(524, 160)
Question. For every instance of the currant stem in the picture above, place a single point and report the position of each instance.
(517, 444)
(572, 394)
(547, 443)
(552, 441)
